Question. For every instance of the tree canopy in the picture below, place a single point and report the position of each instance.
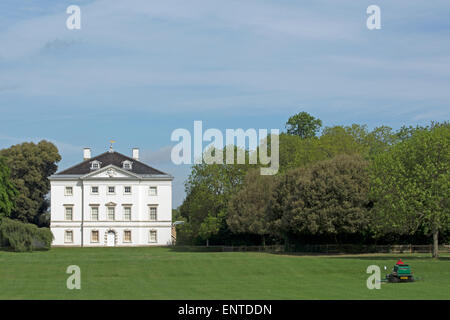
(8, 192)
(411, 184)
(248, 207)
(329, 197)
(303, 125)
(321, 190)
(31, 164)
(208, 189)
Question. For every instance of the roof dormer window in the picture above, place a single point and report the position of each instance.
(127, 165)
(95, 165)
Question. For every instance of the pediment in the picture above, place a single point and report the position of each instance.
(110, 172)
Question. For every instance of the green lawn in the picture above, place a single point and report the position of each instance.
(160, 273)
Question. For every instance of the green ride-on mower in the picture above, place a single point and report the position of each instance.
(401, 273)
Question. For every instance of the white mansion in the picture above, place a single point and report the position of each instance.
(111, 200)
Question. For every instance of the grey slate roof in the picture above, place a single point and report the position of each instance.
(113, 158)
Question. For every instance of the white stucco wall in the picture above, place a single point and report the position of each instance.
(139, 200)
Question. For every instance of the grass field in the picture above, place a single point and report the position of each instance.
(160, 273)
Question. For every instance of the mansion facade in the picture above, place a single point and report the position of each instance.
(111, 200)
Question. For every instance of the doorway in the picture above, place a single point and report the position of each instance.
(110, 239)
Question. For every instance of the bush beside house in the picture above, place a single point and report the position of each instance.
(20, 237)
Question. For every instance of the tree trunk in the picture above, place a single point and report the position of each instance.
(435, 243)
(207, 242)
(263, 240)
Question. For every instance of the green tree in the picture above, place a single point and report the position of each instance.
(327, 198)
(337, 140)
(373, 142)
(380, 140)
(405, 132)
(297, 152)
(8, 192)
(411, 184)
(303, 125)
(176, 216)
(248, 207)
(208, 189)
(31, 164)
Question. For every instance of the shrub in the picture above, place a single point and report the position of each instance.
(22, 237)
(43, 239)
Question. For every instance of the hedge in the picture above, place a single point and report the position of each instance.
(21, 237)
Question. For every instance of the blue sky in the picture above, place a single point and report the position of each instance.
(137, 70)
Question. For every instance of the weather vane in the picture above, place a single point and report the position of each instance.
(111, 146)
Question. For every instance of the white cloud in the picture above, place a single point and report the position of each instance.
(260, 55)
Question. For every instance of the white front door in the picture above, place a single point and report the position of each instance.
(110, 241)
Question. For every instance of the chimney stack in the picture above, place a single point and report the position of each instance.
(86, 153)
(136, 153)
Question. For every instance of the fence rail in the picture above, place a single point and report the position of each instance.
(318, 248)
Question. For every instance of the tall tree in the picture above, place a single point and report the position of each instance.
(297, 152)
(327, 198)
(372, 142)
(247, 208)
(8, 192)
(303, 125)
(337, 140)
(208, 189)
(31, 164)
(411, 184)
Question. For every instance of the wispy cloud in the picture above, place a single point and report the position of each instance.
(139, 69)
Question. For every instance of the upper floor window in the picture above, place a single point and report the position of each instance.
(69, 213)
(127, 190)
(94, 213)
(111, 213)
(127, 165)
(95, 165)
(153, 191)
(111, 190)
(68, 191)
(153, 213)
(127, 213)
(94, 190)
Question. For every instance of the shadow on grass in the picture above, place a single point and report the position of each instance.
(404, 257)
(367, 256)
(341, 255)
(9, 249)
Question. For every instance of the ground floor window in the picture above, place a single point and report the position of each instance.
(127, 236)
(153, 236)
(94, 236)
(68, 236)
